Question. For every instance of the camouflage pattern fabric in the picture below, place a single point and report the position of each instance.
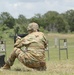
(33, 27)
(34, 56)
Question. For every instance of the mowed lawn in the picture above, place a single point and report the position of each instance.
(55, 66)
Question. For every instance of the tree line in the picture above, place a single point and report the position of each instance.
(51, 21)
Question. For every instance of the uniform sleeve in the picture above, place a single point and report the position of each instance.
(45, 41)
(19, 42)
(23, 41)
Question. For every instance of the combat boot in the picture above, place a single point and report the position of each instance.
(6, 66)
(43, 66)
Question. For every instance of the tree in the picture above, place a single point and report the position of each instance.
(50, 19)
(61, 24)
(21, 19)
(21, 24)
(69, 16)
(7, 19)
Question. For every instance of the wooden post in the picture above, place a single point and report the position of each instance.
(56, 42)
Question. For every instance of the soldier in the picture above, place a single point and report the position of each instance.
(34, 56)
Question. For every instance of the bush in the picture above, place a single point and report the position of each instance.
(43, 30)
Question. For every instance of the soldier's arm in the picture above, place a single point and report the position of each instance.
(45, 41)
(19, 42)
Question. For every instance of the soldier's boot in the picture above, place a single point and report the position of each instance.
(43, 66)
(6, 66)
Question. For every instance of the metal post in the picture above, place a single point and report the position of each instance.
(63, 48)
(48, 51)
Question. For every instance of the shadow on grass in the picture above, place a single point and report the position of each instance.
(23, 69)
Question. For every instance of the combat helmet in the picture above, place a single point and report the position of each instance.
(33, 27)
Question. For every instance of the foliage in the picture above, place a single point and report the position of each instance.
(7, 19)
(51, 21)
(69, 16)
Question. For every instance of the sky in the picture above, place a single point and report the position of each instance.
(29, 8)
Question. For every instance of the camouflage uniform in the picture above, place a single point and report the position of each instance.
(34, 54)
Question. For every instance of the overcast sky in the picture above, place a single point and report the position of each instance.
(31, 7)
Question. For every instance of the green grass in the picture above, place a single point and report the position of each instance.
(54, 65)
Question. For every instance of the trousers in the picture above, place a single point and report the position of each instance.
(26, 58)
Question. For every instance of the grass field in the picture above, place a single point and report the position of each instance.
(55, 66)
